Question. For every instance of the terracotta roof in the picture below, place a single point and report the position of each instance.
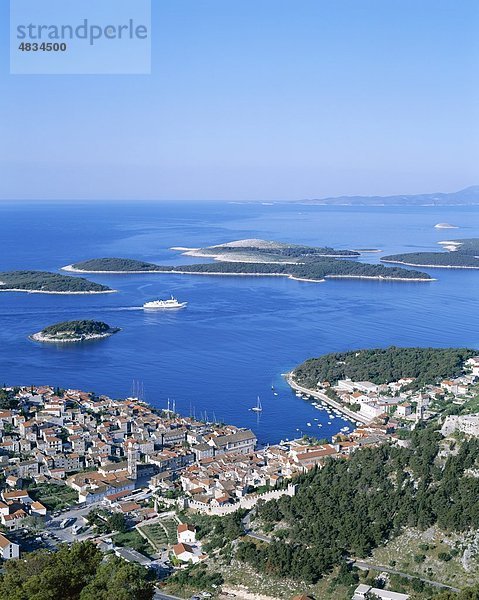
(129, 506)
(180, 548)
(185, 527)
(4, 542)
(15, 494)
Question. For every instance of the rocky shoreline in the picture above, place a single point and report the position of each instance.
(52, 339)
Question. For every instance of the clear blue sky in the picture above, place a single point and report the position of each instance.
(258, 100)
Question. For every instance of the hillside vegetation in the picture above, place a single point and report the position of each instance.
(77, 572)
(426, 365)
(350, 507)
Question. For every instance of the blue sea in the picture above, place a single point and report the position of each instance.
(237, 335)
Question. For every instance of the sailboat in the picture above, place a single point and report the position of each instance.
(258, 407)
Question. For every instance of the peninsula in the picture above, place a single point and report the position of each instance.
(426, 366)
(45, 282)
(261, 258)
(74, 332)
(461, 254)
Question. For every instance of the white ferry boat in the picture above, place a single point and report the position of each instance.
(162, 304)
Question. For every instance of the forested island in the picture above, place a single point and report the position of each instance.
(317, 270)
(425, 365)
(462, 254)
(260, 257)
(74, 331)
(112, 265)
(45, 282)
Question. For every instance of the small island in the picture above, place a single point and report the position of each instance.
(74, 332)
(267, 251)
(445, 226)
(45, 282)
(461, 254)
(262, 258)
(112, 265)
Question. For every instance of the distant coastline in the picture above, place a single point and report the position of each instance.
(466, 197)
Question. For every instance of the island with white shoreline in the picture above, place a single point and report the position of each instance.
(45, 282)
(261, 258)
(74, 332)
(461, 254)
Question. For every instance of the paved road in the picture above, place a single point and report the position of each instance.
(162, 596)
(364, 565)
(246, 522)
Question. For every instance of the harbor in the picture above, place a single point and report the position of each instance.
(350, 414)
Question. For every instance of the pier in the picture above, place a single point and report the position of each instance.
(351, 414)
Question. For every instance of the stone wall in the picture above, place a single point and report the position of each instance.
(244, 503)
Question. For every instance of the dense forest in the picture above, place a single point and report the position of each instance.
(351, 506)
(47, 282)
(78, 328)
(465, 255)
(349, 268)
(426, 365)
(114, 264)
(77, 572)
(316, 269)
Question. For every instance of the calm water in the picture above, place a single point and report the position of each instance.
(238, 334)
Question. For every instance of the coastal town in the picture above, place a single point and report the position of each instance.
(71, 459)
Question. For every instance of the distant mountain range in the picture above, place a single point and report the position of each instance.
(467, 196)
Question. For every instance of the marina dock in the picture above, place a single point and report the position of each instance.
(350, 414)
